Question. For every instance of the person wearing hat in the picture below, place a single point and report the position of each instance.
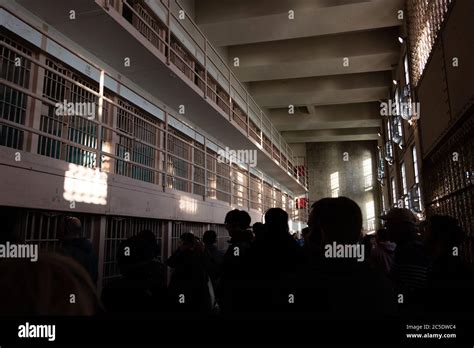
(410, 267)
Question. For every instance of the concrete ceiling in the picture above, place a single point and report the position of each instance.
(301, 61)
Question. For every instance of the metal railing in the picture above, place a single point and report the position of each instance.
(123, 139)
(169, 28)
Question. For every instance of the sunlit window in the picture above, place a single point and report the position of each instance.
(417, 178)
(415, 165)
(85, 185)
(334, 182)
(370, 213)
(400, 128)
(404, 185)
(367, 169)
(407, 71)
(394, 192)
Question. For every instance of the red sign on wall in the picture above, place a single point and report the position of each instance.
(301, 203)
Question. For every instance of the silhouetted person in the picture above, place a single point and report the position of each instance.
(313, 249)
(450, 279)
(344, 282)
(45, 287)
(233, 289)
(189, 288)
(410, 266)
(274, 264)
(73, 244)
(383, 253)
(141, 287)
(215, 256)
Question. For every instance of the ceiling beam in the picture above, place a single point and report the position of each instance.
(313, 21)
(359, 115)
(376, 50)
(354, 134)
(336, 89)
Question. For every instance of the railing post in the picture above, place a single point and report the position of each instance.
(248, 186)
(101, 254)
(205, 169)
(99, 116)
(248, 112)
(205, 68)
(165, 160)
(168, 23)
(191, 189)
(231, 111)
(231, 184)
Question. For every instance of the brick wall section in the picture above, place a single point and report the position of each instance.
(326, 158)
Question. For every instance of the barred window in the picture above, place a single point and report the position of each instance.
(16, 69)
(76, 128)
(179, 153)
(119, 229)
(199, 173)
(425, 20)
(240, 184)
(223, 181)
(255, 193)
(138, 124)
(267, 196)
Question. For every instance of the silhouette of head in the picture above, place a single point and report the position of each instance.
(244, 219)
(147, 245)
(340, 221)
(276, 222)
(401, 225)
(237, 221)
(188, 239)
(209, 237)
(314, 221)
(72, 227)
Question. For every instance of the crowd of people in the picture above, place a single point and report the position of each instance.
(406, 267)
